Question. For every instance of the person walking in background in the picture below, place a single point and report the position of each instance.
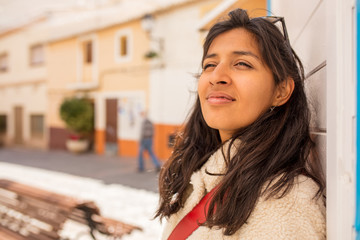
(146, 143)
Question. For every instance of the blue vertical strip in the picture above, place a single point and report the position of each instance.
(268, 7)
(357, 40)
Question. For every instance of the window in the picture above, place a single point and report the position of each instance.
(3, 124)
(87, 51)
(37, 125)
(123, 45)
(37, 55)
(4, 62)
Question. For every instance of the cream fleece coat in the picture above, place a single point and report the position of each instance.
(293, 217)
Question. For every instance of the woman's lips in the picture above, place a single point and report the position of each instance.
(219, 98)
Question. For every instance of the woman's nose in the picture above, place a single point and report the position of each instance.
(220, 75)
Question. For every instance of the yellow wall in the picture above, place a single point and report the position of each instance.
(87, 73)
(209, 7)
(55, 98)
(62, 64)
(256, 8)
(128, 75)
(61, 71)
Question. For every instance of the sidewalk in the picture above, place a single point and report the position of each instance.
(109, 169)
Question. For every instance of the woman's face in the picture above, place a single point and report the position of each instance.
(236, 86)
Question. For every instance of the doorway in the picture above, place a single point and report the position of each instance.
(111, 127)
(18, 131)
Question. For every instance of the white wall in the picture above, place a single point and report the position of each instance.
(341, 118)
(171, 86)
(130, 106)
(306, 24)
(324, 30)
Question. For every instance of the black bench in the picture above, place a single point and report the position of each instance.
(29, 213)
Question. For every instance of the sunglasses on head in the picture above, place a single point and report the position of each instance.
(279, 20)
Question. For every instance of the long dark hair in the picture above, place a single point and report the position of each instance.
(274, 149)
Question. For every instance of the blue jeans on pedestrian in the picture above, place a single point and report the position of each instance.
(146, 144)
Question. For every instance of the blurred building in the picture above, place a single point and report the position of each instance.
(126, 56)
(23, 85)
(130, 56)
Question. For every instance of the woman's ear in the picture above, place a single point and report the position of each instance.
(283, 92)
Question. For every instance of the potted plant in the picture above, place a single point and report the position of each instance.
(78, 115)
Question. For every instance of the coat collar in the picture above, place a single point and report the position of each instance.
(202, 182)
(216, 164)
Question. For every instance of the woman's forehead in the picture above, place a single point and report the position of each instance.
(235, 38)
(234, 42)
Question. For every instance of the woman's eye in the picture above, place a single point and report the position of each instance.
(243, 64)
(209, 65)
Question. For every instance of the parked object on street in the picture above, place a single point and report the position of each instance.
(32, 213)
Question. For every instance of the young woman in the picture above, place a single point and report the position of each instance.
(248, 140)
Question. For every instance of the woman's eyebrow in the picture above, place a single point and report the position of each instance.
(241, 53)
(246, 53)
(210, 55)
